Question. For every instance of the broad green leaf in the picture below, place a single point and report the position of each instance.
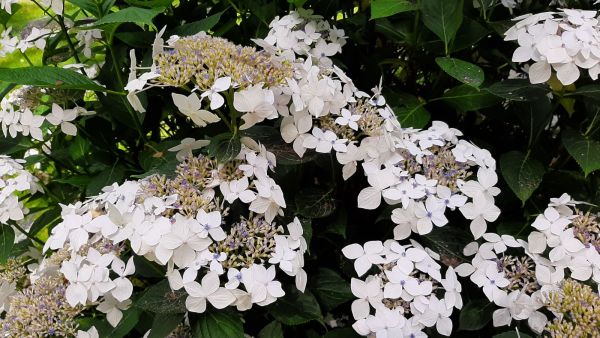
(150, 3)
(518, 90)
(296, 308)
(315, 202)
(49, 217)
(443, 18)
(385, 8)
(522, 173)
(197, 26)
(271, 330)
(413, 115)
(97, 8)
(475, 315)
(104, 178)
(131, 14)
(79, 147)
(160, 299)
(463, 71)
(534, 117)
(164, 324)
(217, 324)
(330, 289)
(7, 242)
(585, 151)
(130, 319)
(592, 91)
(4, 16)
(467, 98)
(225, 147)
(50, 77)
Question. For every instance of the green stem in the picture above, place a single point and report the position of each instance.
(590, 127)
(63, 28)
(33, 238)
(26, 58)
(233, 113)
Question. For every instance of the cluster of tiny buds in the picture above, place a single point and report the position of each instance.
(201, 59)
(440, 165)
(577, 307)
(520, 272)
(586, 229)
(40, 310)
(250, 241)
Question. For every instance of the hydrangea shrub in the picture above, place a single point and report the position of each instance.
(222, 169)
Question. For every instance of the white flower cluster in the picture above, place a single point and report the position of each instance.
(305, 34)
(17, 115)
(15, 181)
(177, 222)
(407, 293)
(570, 238)
(563, 41)
(426, 171)
(517, 275)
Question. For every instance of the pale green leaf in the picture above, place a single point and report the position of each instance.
(585, 151)
(385, 8)
(463, 71)
(522, 173)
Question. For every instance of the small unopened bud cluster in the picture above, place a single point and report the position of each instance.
(201, 59)
(41, 311)
(250, 241)
(577, 310)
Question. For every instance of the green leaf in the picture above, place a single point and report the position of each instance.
(49, 217)
(130, 319)
(463, 71)
(315, 202)
(217, 324)
(97, 8)
(225, 147)
(296, 308)
(160, 299)
(164, 324)
(4, 16)
(522, 173)
(590, 90)
(443, 18)
(475, 315)
(137, 15)
(79, 147)
(586, 152)
(7, 242)
(330, 289)
(413, 115)
(345, 332)
(518, 90)
(149, 3)
(271, 330)
(50, 77)
(385, 8)
(104, 178)
(197, 26)
(467, 98)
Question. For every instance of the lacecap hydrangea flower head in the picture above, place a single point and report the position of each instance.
(565, 42)
(184, 222)
(525, 278)
(405, 293)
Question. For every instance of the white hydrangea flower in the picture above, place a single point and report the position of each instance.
(401, 293)
(565, 41)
